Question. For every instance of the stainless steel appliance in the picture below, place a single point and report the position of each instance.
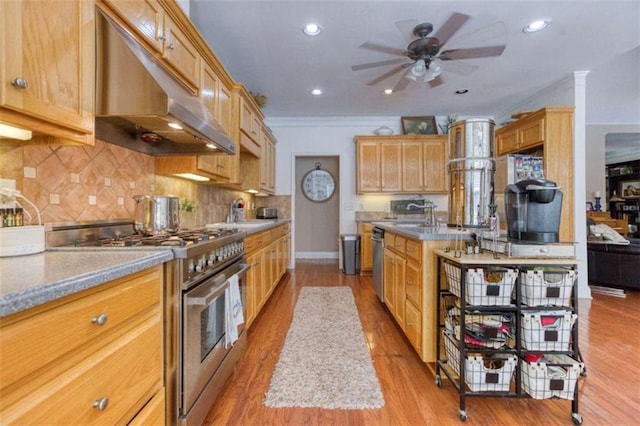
(471, 169)
(377, 237)
(137, 101)
(197, 359)
(266, 213)
(156, 214)
(533, 211)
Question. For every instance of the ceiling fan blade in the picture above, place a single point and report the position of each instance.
(387, 74)
(436, 82)
(473, 52)
(377, 64)
(383, 49)
(406, 29)
(481, 36)
(460, 67)
(453, 24)
(402, 83)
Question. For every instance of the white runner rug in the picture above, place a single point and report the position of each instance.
(325, 361)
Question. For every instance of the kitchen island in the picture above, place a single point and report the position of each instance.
(410, 277)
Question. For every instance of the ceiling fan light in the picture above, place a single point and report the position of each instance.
(417, 70)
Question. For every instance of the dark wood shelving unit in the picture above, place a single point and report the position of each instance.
(623, 193)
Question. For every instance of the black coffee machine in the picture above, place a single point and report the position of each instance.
(533, 209)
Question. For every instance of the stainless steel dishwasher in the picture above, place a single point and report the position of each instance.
(377, 237)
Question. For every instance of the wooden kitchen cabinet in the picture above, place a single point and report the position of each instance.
(410, 289)
(550, 131)
(366, 248)
(268, 254)
(268, 162)
(61, 360)
(378, 165)
(367, 165)
(152, 24)
(48, 69)
(424, 165)
(250, 123)
(401, 164)
(145, 18)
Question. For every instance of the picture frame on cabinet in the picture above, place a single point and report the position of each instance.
(419, 125)
(630, 189)
(589, 206)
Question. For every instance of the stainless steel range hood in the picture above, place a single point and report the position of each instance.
(136, 100)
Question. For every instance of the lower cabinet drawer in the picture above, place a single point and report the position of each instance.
(153, 413)
(50, 335)
(108, 387)
(413, 326)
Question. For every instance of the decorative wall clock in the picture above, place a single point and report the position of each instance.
(318, 185)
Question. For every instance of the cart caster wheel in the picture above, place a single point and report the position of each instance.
(463, 415)
(577, 418)
(438, 381)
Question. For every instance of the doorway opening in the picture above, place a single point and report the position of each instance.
(317, 223)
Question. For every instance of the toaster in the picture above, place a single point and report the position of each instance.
(266, 213)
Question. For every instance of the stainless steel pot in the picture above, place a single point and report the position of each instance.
(156, 214)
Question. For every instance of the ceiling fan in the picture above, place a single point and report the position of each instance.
(423, 59)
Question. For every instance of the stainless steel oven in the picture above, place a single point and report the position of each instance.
(204, 350)
(197, 363)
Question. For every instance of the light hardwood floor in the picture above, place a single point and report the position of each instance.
(609, 342)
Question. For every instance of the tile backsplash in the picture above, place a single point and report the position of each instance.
(80, 183)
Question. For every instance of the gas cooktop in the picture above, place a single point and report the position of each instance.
(120, 233)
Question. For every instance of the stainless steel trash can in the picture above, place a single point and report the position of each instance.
(350, 253)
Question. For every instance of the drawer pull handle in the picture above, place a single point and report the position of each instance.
(100, 319)
(19, 83)
(409, 324)
(101, 404)
(171, 46)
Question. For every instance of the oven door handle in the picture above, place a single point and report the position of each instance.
(215, 293)
(207, 299)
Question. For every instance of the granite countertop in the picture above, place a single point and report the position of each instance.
(28, 281)
(251, 226)
(414, 230)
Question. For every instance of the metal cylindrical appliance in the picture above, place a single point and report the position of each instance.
(471, 168)
(156, 214)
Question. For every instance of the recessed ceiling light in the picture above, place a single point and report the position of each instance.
(462, 91)
(537, 25)
(312, 29)
(388, 91)
(211, 146)
(316, 92)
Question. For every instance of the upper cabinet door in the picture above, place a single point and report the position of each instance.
(391, 166)
(146, 17)
(181, 54)
(48, 66)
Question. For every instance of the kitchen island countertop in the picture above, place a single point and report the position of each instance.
(28, 281)
(413, 230)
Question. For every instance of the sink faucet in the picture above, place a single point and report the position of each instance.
(231, 218)
(430, 214)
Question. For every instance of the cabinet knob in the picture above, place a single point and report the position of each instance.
(409, 282)
(101, 404)
(19, 83)
(100, 319)
(170, 46)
